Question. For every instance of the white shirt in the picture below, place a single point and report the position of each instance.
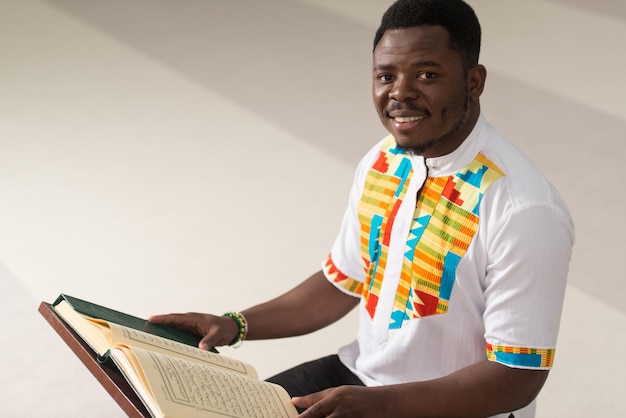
(477, 271)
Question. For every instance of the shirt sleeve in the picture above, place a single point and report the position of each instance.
(528, 255)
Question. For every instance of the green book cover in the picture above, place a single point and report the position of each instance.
(100, 312)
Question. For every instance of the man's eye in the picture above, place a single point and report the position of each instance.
(385, 78)
(426, 75)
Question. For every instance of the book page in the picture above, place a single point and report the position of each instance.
(132, 337)
(96, 333)
(184, 388)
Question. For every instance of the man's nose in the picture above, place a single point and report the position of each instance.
(404, 89)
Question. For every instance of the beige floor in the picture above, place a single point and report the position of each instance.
(161, 156)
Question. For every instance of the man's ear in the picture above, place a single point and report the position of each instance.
(476, 81)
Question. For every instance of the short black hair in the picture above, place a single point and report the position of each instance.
(454, 15)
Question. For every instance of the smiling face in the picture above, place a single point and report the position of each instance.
(423, 94)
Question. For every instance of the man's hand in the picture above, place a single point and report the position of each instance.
(311, 305)
(482, 389)
(214, 330)
(344, 401)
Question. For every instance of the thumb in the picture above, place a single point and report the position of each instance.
(306, 401)
(206, 343)
(220, 333)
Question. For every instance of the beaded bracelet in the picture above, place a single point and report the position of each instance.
(242, 324)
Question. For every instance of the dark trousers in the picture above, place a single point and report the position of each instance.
(314, 376)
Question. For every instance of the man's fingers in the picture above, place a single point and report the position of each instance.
(169, 319)
(311, 404)
(214, 330)
(158, 319)
(185, 322)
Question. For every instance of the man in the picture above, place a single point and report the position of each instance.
(454, 247)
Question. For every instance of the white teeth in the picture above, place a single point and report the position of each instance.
(409, 119)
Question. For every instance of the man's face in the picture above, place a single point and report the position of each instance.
(422, 93)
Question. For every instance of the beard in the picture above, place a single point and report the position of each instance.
(459, 114)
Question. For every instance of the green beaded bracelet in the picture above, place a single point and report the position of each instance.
(242, 324)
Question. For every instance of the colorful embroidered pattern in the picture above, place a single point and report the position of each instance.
(385, 187)
(347, 283)
(444, 224)
(522, 357)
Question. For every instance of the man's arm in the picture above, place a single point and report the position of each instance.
(312, 305)
(480, 390)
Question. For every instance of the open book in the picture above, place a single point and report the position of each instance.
(174, 379)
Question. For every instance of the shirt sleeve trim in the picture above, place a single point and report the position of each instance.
(346, 283)
(528, 358)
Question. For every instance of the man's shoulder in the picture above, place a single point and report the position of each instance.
(523, 182)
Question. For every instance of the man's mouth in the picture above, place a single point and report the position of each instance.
(404, 119)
